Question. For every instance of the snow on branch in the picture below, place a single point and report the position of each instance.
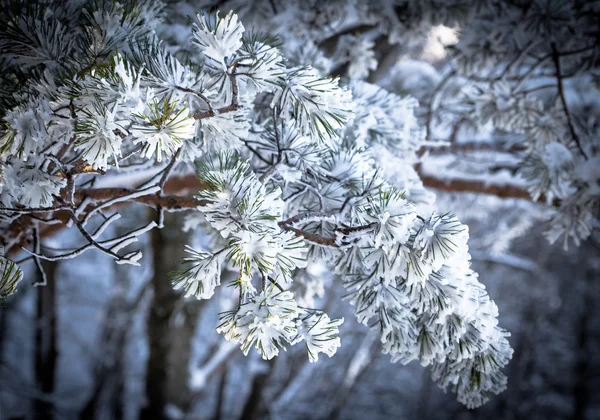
(293, 169)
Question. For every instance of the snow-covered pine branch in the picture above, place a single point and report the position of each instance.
(523, 71)
(296, 169)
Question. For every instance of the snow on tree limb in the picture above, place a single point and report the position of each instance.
(294, 168)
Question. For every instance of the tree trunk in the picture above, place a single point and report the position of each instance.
(6, 308)
(46, 351)
(253, 407)
(109, 379)
(358, 365)
(221, 395)
(583, 368)
(118, 395)
(425, 396)
(167, 245)
(181, 340)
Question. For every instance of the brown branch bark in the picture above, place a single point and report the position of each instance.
(192, 183)
(222, 110)
(179, 197)
(476, 147)
(169, 202)
(461, 185)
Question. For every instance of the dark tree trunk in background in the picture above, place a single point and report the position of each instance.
(583, 367)
(168, 248)
(118, 401)
(181, 336)
(46, 351)
(6, 308)
(109, 375)
(159, 316)
(349, 382)
(254, 404)
(221, 395)
(424, 396)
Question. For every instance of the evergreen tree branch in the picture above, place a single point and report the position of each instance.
(233, 106)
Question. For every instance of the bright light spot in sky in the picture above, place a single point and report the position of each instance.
(439, 37)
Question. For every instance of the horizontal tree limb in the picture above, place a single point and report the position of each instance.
(463, 185)
(169, 202)
(178, 197)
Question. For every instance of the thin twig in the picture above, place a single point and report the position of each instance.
(561, 94)
(281, 289)
(133, 194)
(311, 237)
(168, 202)
(30, 210)
(233, 106)
(198, 94)
(167, 170)
(433, 101)
(91, 240)
(36, 260)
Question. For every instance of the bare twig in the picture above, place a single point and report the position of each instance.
(168, 202)
(37, 261)
(310, 237)
(198, 94)
(91, 240)
(561, 94)
(31, 210)
(116, 199)
(167, 170)
(433, 101)
(233, 106)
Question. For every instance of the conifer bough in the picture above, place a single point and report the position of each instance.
(295, 169)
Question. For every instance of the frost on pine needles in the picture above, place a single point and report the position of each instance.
(294, 172)
(201, 276)
(10, 276)
(320, 334)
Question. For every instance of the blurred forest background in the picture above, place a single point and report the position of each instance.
(116, 342)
